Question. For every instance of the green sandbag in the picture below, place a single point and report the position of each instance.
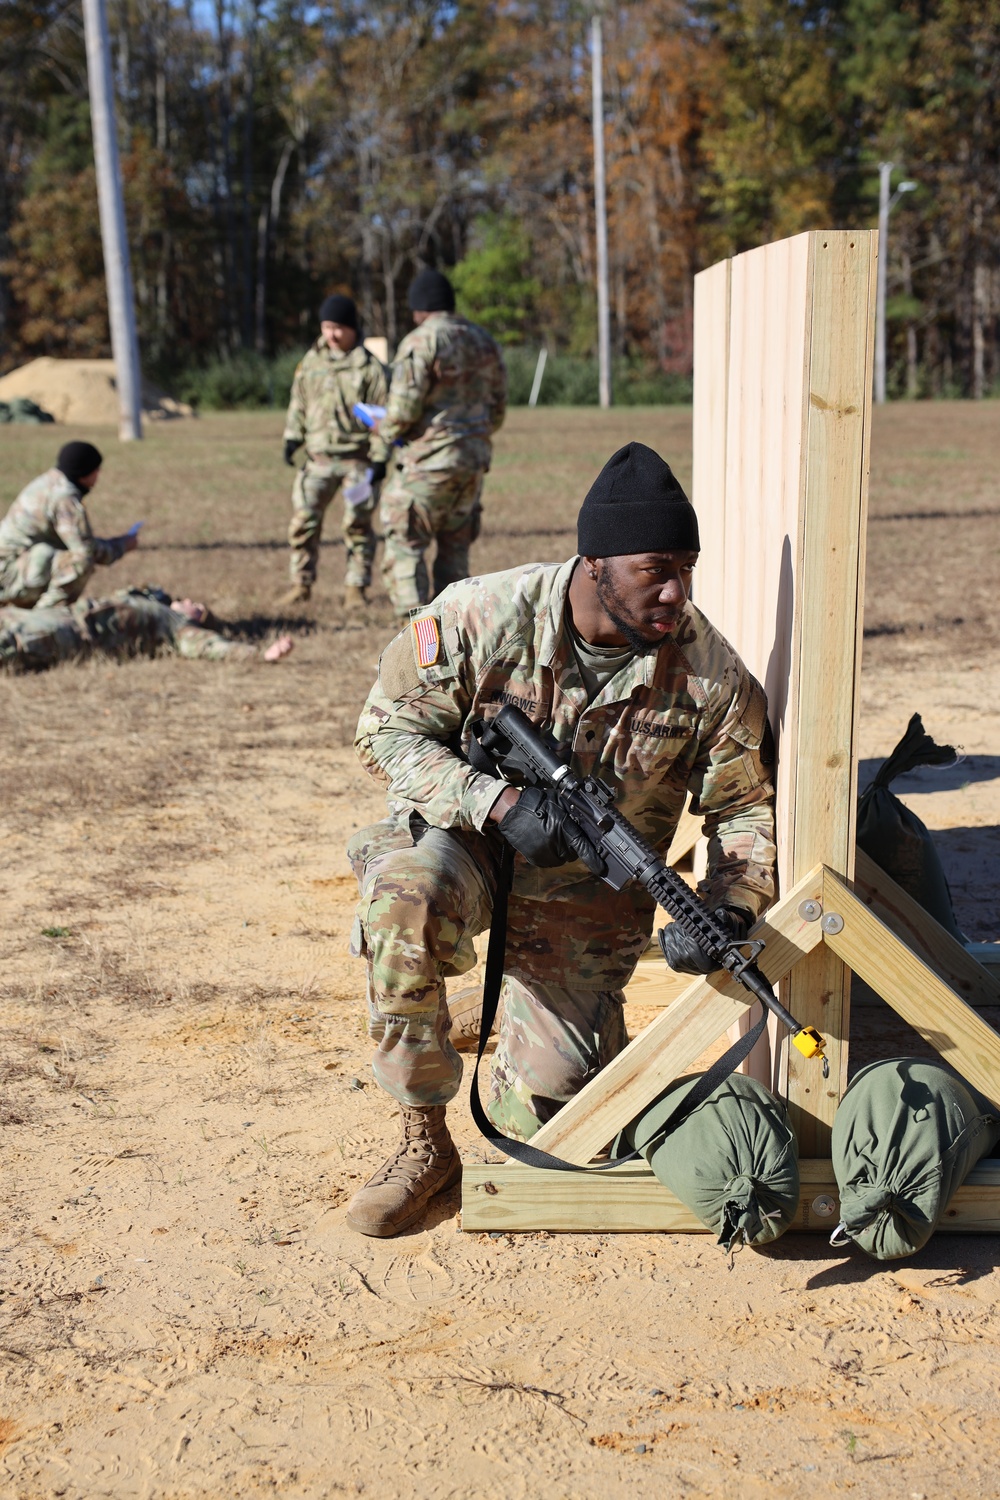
(23, 409)
(733, 1161)
(896, 839)
(907, 1134)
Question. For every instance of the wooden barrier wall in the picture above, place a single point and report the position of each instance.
(783, 371)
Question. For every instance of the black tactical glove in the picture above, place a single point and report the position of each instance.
(542, 830)
(376, 473)
(291, 445)
(686, 956)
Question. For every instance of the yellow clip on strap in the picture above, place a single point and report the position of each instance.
(809, 1042)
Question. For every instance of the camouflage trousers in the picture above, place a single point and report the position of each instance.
(425, 893)
(420, 506)
(24, 579)
(316, 483)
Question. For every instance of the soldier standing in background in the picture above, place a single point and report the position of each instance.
(448, 396)
(341, 452)
(47, 549)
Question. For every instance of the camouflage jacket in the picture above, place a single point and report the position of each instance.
(50, 509)
(326, 386)
(689, 717)
(131, 622)
(448, 395)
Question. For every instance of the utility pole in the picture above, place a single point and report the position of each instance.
(884, 176)
(886, 204)
(111, 203)
(600, 214)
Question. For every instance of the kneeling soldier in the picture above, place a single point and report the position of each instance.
(608, 654)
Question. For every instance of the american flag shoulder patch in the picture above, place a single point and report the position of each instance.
(427, 640)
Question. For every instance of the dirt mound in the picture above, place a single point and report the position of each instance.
(83, 391)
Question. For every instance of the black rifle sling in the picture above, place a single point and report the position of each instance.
(522, 1151)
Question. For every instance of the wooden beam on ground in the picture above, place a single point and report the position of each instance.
(512, 1199)
(677, 1037)
(911, 987)
(958, 966)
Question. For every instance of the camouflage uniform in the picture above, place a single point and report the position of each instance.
(687, 717)
(131, 622)
(448, 396)
(47, 549)
(339, 448)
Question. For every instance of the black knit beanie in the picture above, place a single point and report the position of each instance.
(636, 505)
(338, 309)
(77, 460)
(431, 292)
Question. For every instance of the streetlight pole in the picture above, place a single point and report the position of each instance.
(886, 204)
(600, 214)
(117, 270)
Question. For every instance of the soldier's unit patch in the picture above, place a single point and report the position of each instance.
(427, 638)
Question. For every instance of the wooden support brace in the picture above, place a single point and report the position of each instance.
(955, 964)
(628, 1200)
(677, 1037)
(911, 987)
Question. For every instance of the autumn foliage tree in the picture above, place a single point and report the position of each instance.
(275, 150)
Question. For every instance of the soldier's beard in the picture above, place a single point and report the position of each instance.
(613, 606)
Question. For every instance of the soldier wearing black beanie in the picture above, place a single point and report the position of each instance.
(431, 292)
(78, 461)
(339, 309)
(636, 505)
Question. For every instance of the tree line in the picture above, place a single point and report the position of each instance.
(274, 150)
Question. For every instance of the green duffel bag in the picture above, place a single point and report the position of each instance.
(907, 1134)
(733, 1160)
(897, 840)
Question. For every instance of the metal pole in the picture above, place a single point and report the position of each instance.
(884, 175)
(600, 215)
(536, 384)
(117, 271)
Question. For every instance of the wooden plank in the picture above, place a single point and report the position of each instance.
(819, 820)
(628, 1200)
(912, 988)
(961, 968)
(676, 1038)
(709, 418)
(686, 835)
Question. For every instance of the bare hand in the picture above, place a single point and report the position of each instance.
(279, 648)
(196, 613)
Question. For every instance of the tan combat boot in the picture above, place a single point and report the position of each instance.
(354, 597)
(299, 593)
(425, 1163)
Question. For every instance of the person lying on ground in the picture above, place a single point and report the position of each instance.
(47, 549)
(607, 653)
(132, 622)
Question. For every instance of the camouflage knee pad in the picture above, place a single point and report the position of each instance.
(553, 1040)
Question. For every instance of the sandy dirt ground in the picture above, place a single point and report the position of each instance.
(186, 1101)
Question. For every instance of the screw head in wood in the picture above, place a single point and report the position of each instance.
(810, 911)
(833, 923)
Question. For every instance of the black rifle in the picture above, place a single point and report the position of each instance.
(521, 753)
